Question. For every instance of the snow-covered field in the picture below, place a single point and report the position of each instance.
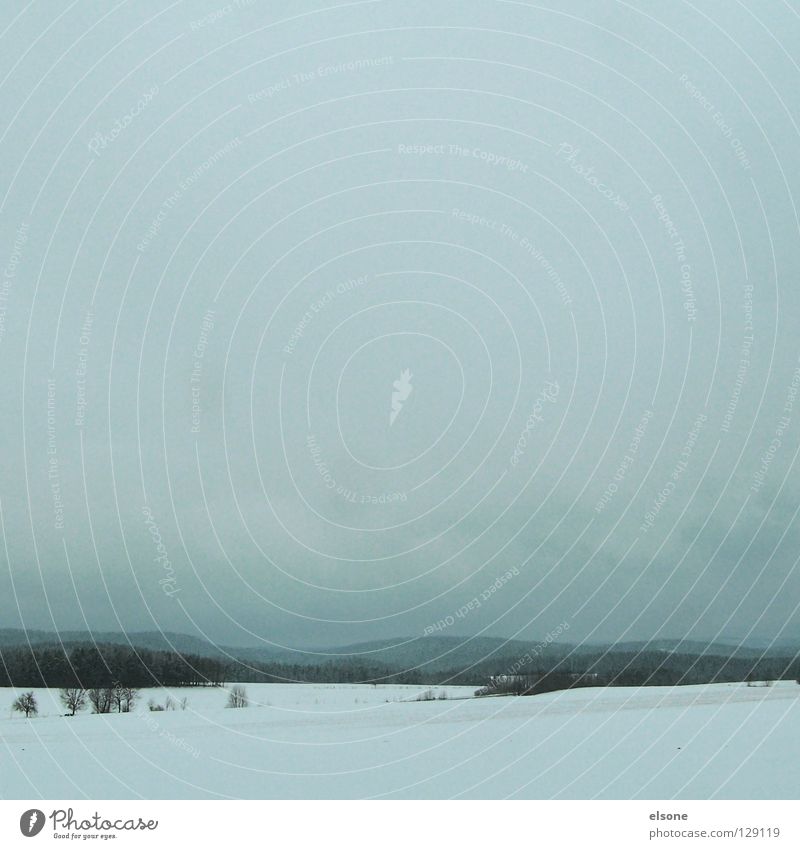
(354, 741)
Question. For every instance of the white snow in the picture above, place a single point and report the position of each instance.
(356, 741)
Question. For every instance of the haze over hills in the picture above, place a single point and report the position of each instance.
(431, 653)
(155, 640)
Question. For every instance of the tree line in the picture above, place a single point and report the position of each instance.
(118, 697)
(102, 666)
(632, 669)
(99, 666)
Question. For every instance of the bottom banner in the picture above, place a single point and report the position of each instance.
(385, 823)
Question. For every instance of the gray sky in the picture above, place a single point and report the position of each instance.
(227, 232)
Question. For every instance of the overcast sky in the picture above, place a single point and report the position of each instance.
(374, 319)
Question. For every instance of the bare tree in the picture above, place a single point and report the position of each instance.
(123, 698)
(73, 699)
(237, 697)
(102, 699)
(26, 704)
(129, 696)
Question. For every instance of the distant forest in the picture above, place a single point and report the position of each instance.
(101, 665)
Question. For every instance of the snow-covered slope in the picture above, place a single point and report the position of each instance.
(332, 741)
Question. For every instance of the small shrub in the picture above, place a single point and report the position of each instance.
(237, 697)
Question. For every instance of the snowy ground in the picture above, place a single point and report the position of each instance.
(351, 741)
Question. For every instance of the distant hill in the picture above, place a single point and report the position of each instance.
(696, 647)
(437, 653)
(429, 654)
(166, 641)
